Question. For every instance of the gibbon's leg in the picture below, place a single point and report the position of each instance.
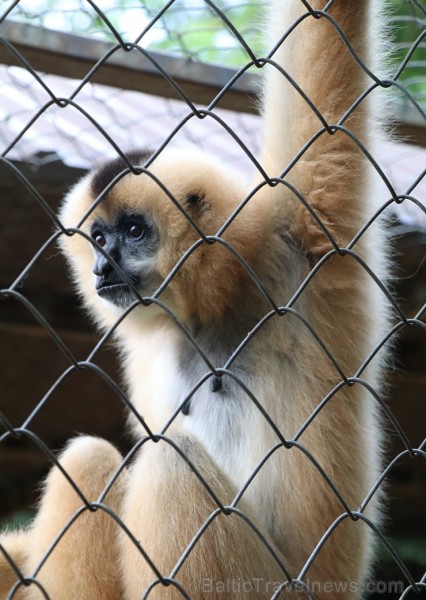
(84, 563)
(164, 507)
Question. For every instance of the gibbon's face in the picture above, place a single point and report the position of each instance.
(131, 239)
(138, 225)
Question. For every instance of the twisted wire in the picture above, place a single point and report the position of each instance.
(277, 308)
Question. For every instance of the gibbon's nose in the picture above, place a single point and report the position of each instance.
(103, 266)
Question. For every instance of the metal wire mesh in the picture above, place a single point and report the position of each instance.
(188, 112)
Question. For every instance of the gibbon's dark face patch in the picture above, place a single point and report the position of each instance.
(131, 240)
(109, 170)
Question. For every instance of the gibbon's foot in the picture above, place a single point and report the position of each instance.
(83, 562)
(15, 544)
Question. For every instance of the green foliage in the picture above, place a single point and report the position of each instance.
(410, 550)
(409, 36)
(205, 36)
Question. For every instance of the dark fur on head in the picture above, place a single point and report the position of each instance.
(103, 176)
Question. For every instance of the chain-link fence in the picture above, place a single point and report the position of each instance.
(46, 117)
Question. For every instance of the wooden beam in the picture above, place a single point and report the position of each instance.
(74, 56)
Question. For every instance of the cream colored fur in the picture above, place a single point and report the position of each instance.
(225, 435)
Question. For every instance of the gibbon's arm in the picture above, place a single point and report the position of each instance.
(341, 302)
(331, 174)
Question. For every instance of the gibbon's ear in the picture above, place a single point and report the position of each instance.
(195, 200)
(196, 204)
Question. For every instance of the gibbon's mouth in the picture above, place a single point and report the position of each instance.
(117, 293)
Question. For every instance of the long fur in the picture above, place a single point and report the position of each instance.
(225, 435)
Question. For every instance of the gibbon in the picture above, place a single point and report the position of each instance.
(256, 440)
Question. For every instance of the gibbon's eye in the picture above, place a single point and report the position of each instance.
(135, 231)
(99, 238)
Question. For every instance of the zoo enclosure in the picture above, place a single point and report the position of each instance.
(166, 76)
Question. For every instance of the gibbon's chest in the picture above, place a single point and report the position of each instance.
(159, 381)
(227, 422)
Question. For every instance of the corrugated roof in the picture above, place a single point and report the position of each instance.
(133, 119)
